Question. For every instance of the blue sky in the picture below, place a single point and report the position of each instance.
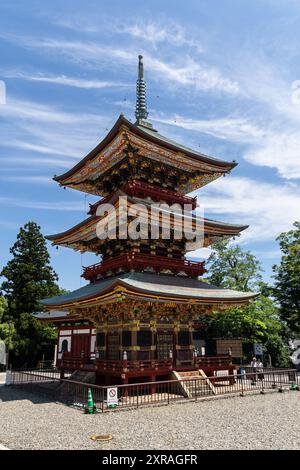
(221, 77)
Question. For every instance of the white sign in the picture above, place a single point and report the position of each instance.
(295, 344)
(258, 349)
(8, 377)
(2, 353)
(112, 396)
(222, 373)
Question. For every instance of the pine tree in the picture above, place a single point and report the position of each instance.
(29, 276)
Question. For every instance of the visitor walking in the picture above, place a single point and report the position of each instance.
(254, 370)
(260, 370)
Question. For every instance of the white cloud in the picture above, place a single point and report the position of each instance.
(44, 205)
(238, 129)
(66, 81)
(38, 148)
(159, 33)
(186, 71)
(268, 208)
(156, 32)
(27, 179)
(31, 162)
(30, 110)
(268, 144)
(280, 150)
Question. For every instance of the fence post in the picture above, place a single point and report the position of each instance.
(242, 378)
(274, 383)
(262, 392)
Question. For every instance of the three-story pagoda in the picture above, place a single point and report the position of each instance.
(143, 297)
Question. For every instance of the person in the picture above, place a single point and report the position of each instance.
(254, 370)
(260, 370)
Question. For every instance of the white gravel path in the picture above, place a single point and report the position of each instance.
(270, 421)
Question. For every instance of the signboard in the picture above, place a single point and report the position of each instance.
(222, 373)
(258, 349)
(295, 357)
(2, 353)
(235, 345)
(112, 396)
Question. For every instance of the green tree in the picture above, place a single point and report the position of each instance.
(28, 278)
(231, 267)
(3, 307)
(287, 278)
(258, 322)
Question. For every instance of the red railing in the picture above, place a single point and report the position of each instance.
(131, 366)
(140, 261)
(208, 361)
(145, 365)
(143, 190)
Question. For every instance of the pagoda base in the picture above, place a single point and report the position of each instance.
(130, 372)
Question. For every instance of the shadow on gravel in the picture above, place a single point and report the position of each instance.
(8, 393)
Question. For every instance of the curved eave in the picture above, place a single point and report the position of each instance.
(70, 231)
(140, 132)
(224, 230)
(229, 229)
(142, 286)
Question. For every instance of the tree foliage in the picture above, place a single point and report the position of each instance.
(258, 322)
(233, 268)
(29, 277)
(287, 278)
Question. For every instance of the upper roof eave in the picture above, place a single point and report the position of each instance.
(155, 137)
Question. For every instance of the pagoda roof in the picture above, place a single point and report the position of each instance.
(86, 230)
(150, 288)
(211, 164)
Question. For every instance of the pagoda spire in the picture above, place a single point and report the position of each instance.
(141, 112)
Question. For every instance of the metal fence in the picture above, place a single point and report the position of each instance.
(129, 396)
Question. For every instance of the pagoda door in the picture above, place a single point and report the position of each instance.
(81, 345)
(165, 344)
(112, 346)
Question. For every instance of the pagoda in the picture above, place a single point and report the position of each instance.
(137, 316)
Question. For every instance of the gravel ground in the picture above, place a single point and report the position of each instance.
(270, 421)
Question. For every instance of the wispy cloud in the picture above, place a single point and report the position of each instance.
(155, 32)
(27, 179)
(30, 110)
(159, 33)
(272, 144)
(186, 71)
(32, 162)
(38, 148)
(76, 206)
(65, 80)
(236, 129)
(269, 208)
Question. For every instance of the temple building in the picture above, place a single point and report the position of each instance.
(138, 315)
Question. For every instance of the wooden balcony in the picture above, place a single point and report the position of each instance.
(140, 262)
(144, 190)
